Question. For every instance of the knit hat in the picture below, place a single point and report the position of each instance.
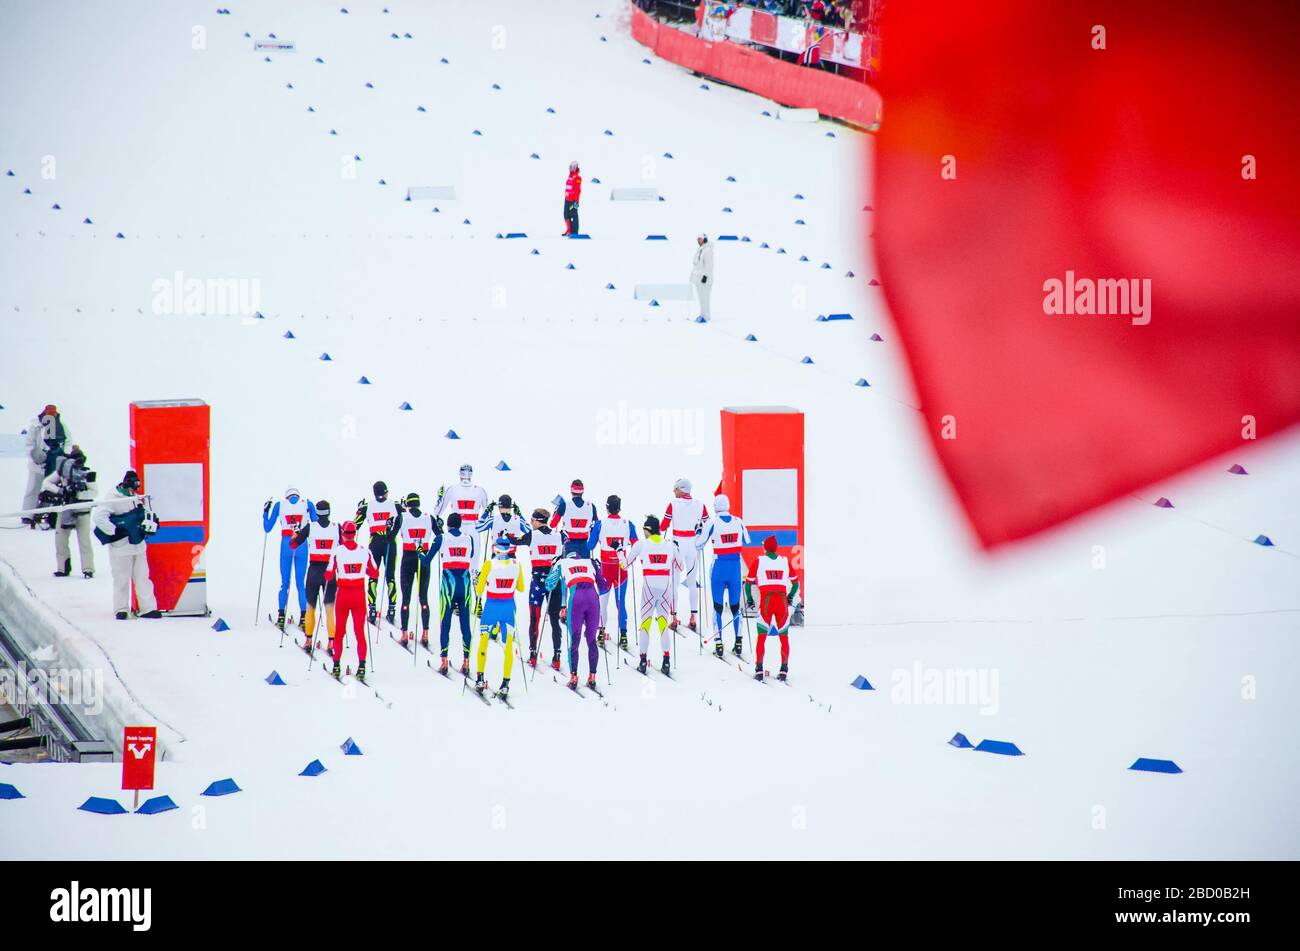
(50, 410)
(576, 487)
(613, 505)
(322, 507)
(769, 544)
(684, 485)
(651, 524)
(721, 504)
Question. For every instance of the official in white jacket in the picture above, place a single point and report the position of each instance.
(702, 273)
(44, 435)
(120, 524)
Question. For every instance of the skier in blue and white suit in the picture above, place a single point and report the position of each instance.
(728, 534)
(292, 514)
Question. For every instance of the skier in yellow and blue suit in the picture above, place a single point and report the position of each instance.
(498, 580)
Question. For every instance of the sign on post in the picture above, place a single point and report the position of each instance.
(139, 748)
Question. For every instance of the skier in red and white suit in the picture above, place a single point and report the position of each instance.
(776, 589)
(683, 518)
(572, 195)
(351, 566)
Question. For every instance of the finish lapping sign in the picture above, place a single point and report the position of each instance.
(139, 752)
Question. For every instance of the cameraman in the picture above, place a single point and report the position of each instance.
(46, 436)
(121, 524)
(67, 484)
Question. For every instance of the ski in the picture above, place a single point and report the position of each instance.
(498, 695)
(441, 673)
(573, 689)
(406, 647)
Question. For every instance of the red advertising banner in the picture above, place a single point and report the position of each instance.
(139, 749)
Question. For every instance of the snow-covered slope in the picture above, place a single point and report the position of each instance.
(1177, 644)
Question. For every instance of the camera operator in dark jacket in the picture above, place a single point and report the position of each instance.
(68, 484)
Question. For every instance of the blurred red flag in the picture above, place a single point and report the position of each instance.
(1014, 152)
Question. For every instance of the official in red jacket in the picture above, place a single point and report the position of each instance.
(572, 195)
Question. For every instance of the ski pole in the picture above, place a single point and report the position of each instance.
(261, 577)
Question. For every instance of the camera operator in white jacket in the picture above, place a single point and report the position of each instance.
(702, 273)
(123, 522)
(67, 484)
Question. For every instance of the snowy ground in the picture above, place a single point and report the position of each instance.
(1180, 643)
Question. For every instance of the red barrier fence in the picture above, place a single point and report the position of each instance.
(786, 83)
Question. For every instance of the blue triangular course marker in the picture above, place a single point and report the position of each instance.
(830, 135)
(608, 132)
(10, 173)
(370, 85)
(731, 178)
(839, 316)
(257, 315)
(334, 132)
(103, 807)
(798, 221)
(959, 740)
(661, 198)
(436, 209)
(751, 338)
(325, 356)
(27, 191)
(726, 211)
(319, 60)
(1264, 540)
(826, 266)
(595, 181)
(406, 36)
(726, 237)
(501, 466)
(515, 234)
(422, 109)
(443, 61)
(780, 250)
(764, 245)
(8, 791)
(452, 434)
(382, 182)
(274, 679)
(803, 259)
(56, 207)
(646, 61)
(766, 113)
(465, 222)
(155, 805)
(1000, 747)
(653, 302)
(343, 9)
(668, 155)
(862, 381)
(877, 338)
(311, 108)
(550, 111)
(861, 683)
(581, 237)
(570, 267)
(288, 335)
(288, 85)
(314, 768)
(477, 132)
(602, 38)
(221, 787)
(407, 198)
(1236, 469)
(350, 748)
(533, 155)
(704, 85)
(656, 237)
(86, 221)
(364, 381)
(534, 251)
(495, 86)
(394, 36)
(798, 197)
(1155, 765)
(609, 287)
(848, 274)
(221, 625)
(1163, 503)
(404, 406)
(806, 360)
(701, 319)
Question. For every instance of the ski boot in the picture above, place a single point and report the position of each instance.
(504, 692)
(372, 618)
(65, 570)
(740, 644)
(640, 668)
(666, 666)
(622, 640)
(532, 659)
(361, 671)
(391, 615)
(600, 635)
(279, 620)
(717, 649)
(302, 624)
(424, 640)
(120, 615)
(464, 666)
(591, 681)
(337, 672)
(479, 682)
(758, 671)
(406, 636)
(573, 681)
(784, 670)
(442, 665)
(87, 574)
(555, 661)
(692, 623)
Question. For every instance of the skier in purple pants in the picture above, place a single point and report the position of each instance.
(581, 609)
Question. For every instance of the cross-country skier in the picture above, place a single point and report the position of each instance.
(544, 547)
(660, 559)
(292, 513)
(413, 535)
(611, 540)
(456, 547)
(572, 196)
(471, 501)
(321, 537)
(685, 517)
(505, 522)
(377, 513)
(581, 609)
(350, 567)
(500, 578)
(728, 534)
(576, 519)
(776, 590)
